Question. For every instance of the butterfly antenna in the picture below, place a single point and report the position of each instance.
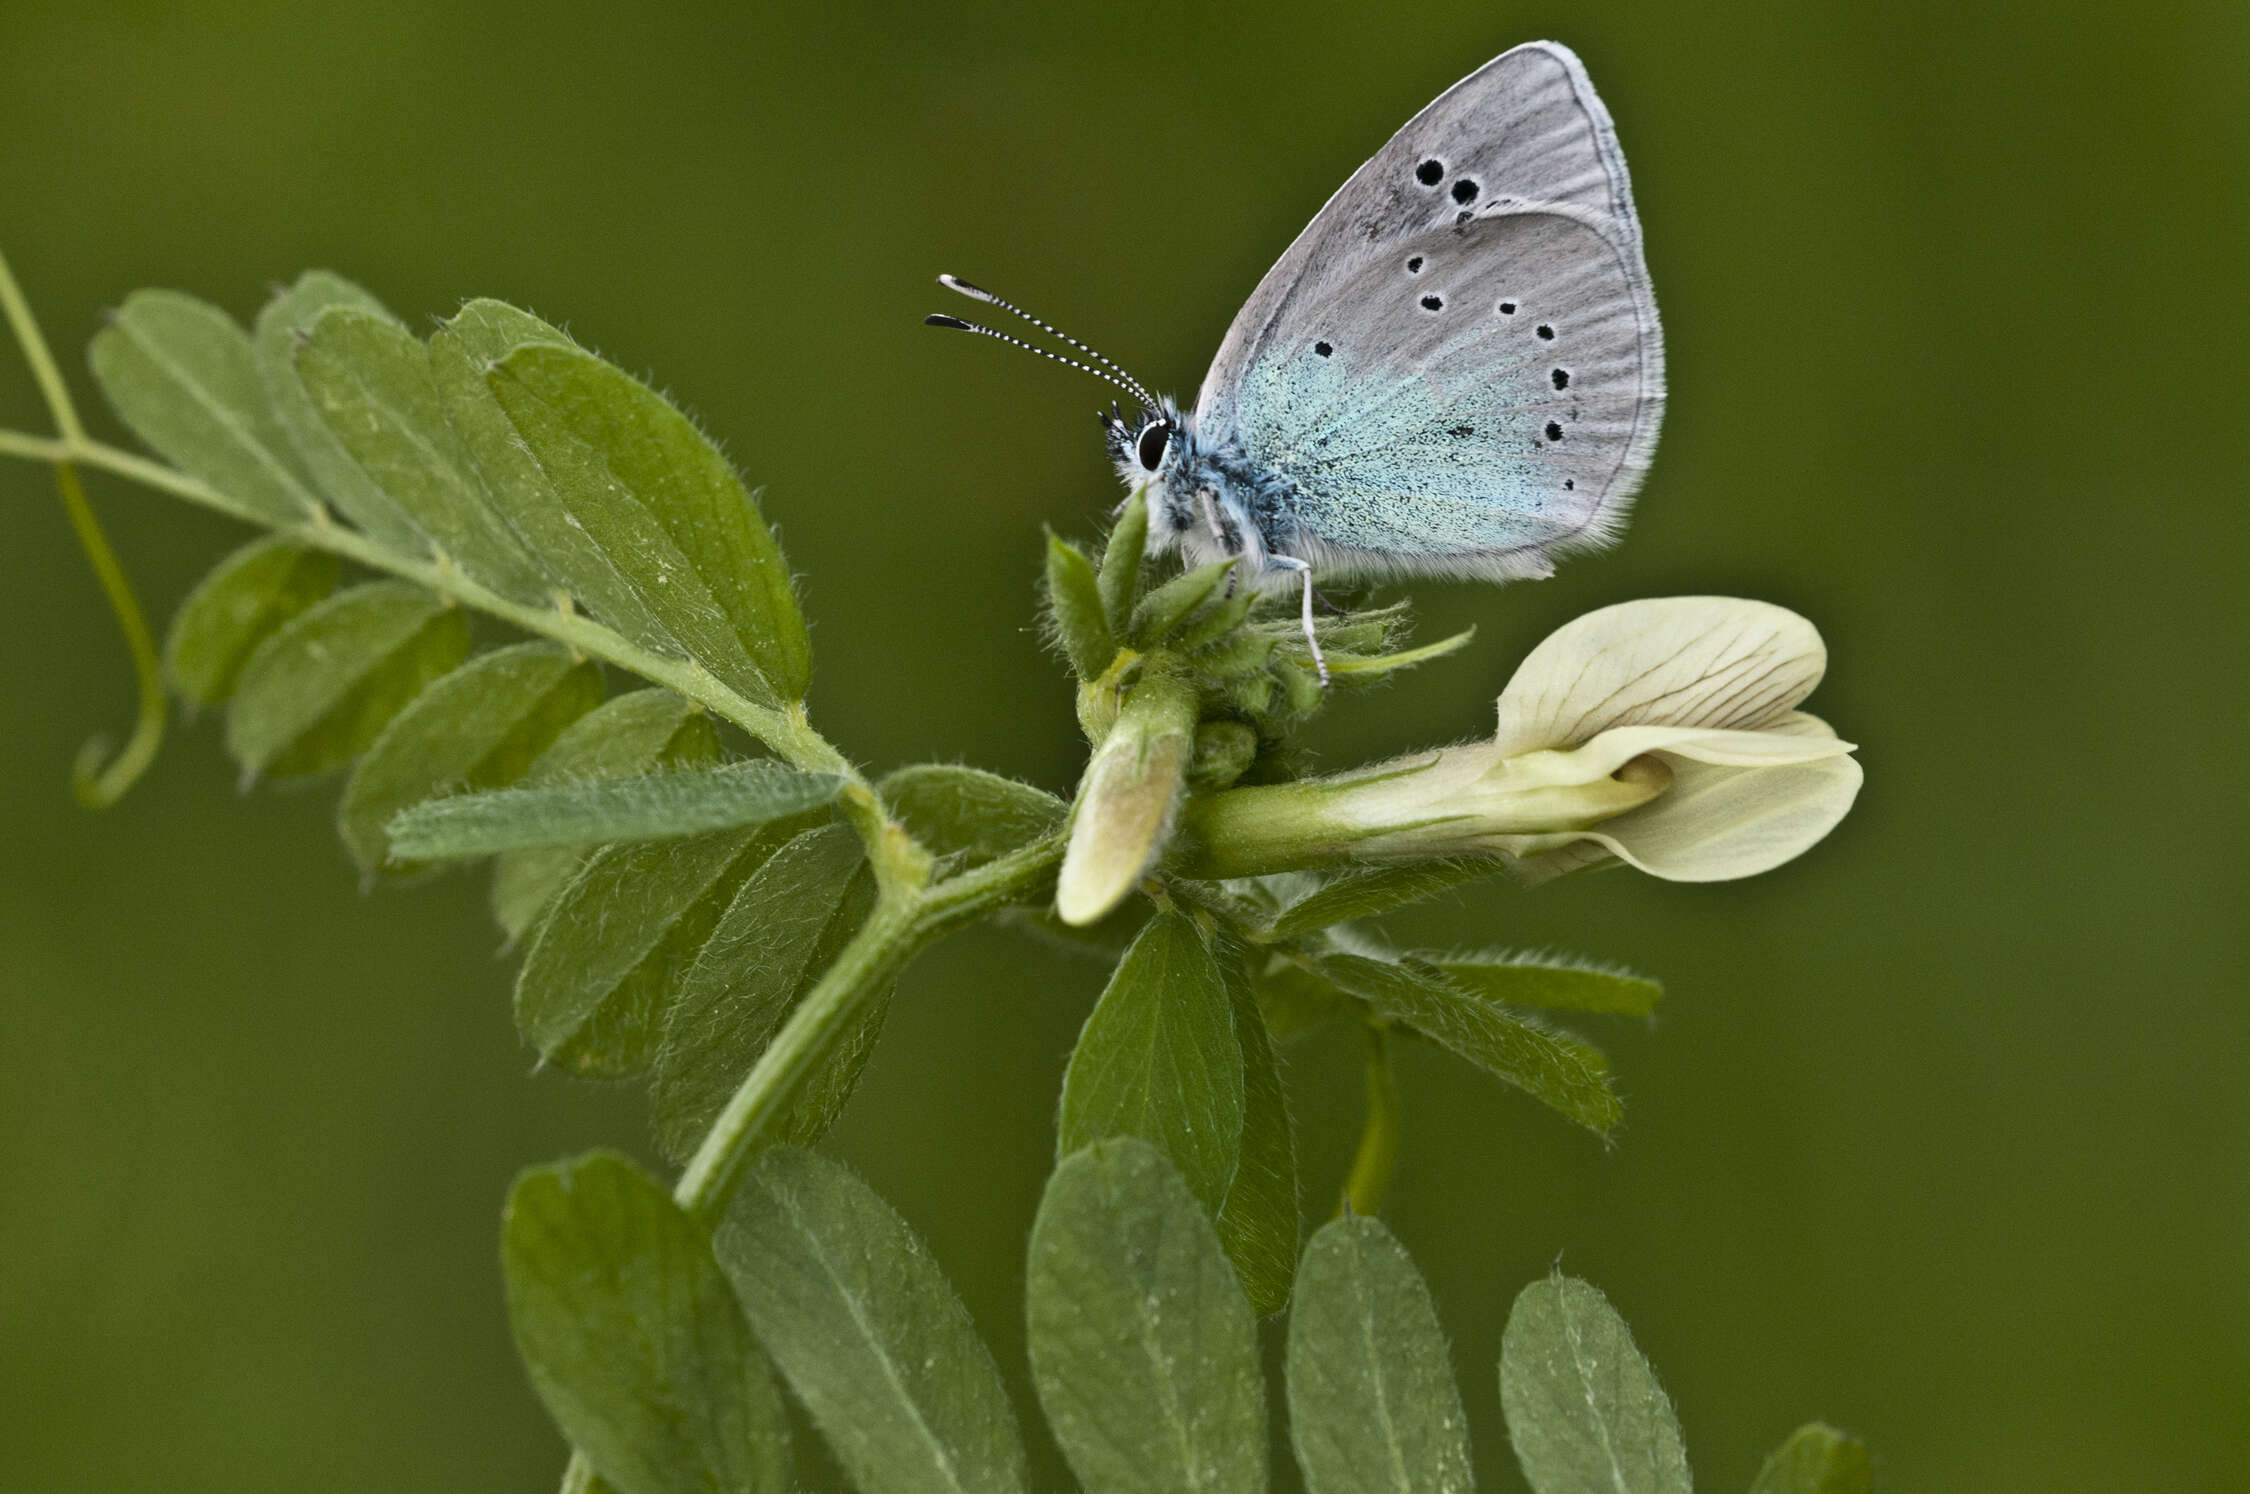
(939, 319)
(1123, 380)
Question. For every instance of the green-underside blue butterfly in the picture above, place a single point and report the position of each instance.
(1456, 370)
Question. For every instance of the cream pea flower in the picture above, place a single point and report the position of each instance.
(1664, 733)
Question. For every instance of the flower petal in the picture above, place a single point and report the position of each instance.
(1797, 738)
(1714, 823)
(1714, 662)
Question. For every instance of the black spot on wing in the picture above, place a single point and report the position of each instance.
(1464, 191)
(1324, 348)
(1554, 430)
(1433, 303)
(1430, 173)
(1546, 333)
(1414, 265)
(1561, 376)
(1507, 308)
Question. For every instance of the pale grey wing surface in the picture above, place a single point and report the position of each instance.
(1473, 401)
(1526, 128)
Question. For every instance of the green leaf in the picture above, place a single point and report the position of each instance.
(1244, 651)
(1817, 1459)
(747, 978)
(1159, 1059)
(283, 326)
(871, 1337)
(1569, 1076)
(1119, 582)
(1074, 606)
(979, 816)
(643, 731)
(179, 372)
(323, 685)
(237, 607)
(1165, 608)
(632, 1336)
(649, 806)
(370, 380)
(1379, 889)
(1360, 669)
(1224, 751)
(1258, 1221)
(1372, 1403)
(613, 945)
(1226, 615)
(667, 511)
(1584, 1410)
(1143, 1348)
(480, 726)
(481, 335)
(1552, 981)
(1294, 1000)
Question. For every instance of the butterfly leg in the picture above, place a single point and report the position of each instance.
(1218, 528)
(1304, 570)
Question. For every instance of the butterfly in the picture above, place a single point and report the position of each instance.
(1455, 371)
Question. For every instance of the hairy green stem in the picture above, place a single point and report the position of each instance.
(905, 920)
(762, 1102)
(1369, 1181)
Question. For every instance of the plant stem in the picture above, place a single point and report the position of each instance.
(904, 921)
(43, 370)
(759, 1105)
(1370, 1178)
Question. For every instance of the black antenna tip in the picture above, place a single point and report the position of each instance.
(939, 319)
(956, 283)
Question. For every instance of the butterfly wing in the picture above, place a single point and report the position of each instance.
(1458, 365)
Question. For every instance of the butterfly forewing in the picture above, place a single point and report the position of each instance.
(1474, 400)
(1527, 127)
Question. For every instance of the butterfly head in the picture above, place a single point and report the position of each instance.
(1146, 449)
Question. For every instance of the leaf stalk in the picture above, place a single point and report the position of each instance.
(1369, 1181)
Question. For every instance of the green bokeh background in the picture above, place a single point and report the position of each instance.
(1944, 1131)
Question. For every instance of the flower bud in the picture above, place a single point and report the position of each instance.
(1124, 811)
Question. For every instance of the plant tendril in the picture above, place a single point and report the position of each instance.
(94, 786)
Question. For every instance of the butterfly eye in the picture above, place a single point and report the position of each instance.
(1153, 441)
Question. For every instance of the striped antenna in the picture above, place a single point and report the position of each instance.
(1123, 380)
(939, 319)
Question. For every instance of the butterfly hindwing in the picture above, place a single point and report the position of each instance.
(1475, 400)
